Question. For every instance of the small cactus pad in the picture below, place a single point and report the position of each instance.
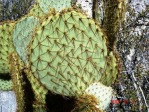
(68, 52)
(111, 70)
(58, 5)
(5, 85)
(6, 46)
(23, 31)
(102, 93)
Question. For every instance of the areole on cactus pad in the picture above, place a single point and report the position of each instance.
(68, 53)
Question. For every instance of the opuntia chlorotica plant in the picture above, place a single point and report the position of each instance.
(61, 50)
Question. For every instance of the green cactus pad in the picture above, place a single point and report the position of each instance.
(58, 5)
(111, 71)
(18, 81)
(5, 85)
(6, 46)
(23, 31)
(36, 11)
(68, 52)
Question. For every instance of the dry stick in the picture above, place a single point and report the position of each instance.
(144, 98)
(95, 11)
(138, 93)
(136, 85)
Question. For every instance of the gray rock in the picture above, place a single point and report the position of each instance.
(7, 101)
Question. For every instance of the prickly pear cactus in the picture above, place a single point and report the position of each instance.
(58, 5)
(6, 45)
(18, 81)
(25, 27)
(111, 70)
(36, 11)
(68, 53)
(5, 85)
(22, 34)
(64, 52)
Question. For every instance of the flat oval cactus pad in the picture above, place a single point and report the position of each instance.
(22, 35)
(68, 53)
